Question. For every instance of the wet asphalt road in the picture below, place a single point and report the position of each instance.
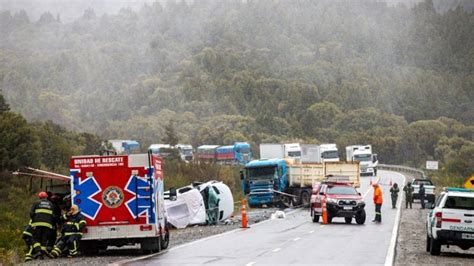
(296, 239)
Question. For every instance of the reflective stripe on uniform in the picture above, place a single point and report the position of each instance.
(44, 211)
(72, 233)
(82, 221)
(27, 233)
(50, 226)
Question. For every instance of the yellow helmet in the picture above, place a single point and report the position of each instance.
(74, 209)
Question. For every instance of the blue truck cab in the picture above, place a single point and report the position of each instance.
(263, 179)
(242, 152)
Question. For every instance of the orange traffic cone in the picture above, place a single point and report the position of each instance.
(325, 212)
(244, 213)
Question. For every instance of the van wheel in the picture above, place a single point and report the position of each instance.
(360, 217)
(428, 243)
(435, 247)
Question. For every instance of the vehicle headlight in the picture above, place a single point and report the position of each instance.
(332, 201)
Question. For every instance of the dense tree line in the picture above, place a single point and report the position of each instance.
(273, 70)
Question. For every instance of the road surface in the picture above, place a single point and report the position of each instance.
(296, 239)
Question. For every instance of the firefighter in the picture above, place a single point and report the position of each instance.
(71, 233)
(394, 193)
(42, 221)
(27, 236)
(408, 189)
(378, 200)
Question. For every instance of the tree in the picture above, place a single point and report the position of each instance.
(3, 104)
(170, 137)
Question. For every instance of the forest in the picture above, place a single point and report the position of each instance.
(348, 72)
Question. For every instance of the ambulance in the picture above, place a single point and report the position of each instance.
(122, 199)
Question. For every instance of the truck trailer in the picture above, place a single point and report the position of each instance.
(280, 151)
(121, 198)
(312, 153)
(283, 182)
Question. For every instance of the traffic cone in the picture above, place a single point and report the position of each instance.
(244, 213)
(371, 181)
(325, 212)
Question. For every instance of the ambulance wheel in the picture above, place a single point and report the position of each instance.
(165, 240)
(150, 245)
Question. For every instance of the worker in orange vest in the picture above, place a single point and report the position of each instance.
(378, 200)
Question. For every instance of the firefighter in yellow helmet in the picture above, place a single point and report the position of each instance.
(73, 226)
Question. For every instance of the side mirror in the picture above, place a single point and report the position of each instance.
(241, 175)
(173, 195)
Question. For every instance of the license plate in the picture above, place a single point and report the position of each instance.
(467, 236)
(347, 208)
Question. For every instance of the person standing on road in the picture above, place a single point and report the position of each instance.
(408, 189)
(378, 200)
(421, 192)
(394, 193)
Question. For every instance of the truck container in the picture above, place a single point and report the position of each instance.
(122, 200)
(122, 146)
(280, 151)
(312, 153)
(206, 153)
(363, 154)
(280, 181)
(239, 153)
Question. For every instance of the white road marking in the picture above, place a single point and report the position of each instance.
(296, 239)
(393, 241)
(276, 250)
(250, 263)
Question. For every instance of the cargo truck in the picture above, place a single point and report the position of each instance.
(312, 153)
(363, 154)
(122, 200)
(122, 146)
(280, 151)
(238, 153)
(283, 182)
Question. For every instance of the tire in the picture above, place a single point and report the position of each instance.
(315, 218)
(348, 220)
(305, 198)
(360, 217)
(428, 243)
(435, 247)
(165, 240)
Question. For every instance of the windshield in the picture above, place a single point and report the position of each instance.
(294, 154)
(342, 190)
(187, 151)
(244, 150)
(261, 172)
(363, 157)
(330, 155)
(465, 203)
(425, 182)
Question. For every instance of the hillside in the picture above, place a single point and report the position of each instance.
(259, 71)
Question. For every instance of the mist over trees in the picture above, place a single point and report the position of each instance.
(348, 72)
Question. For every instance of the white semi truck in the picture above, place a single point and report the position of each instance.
(280, 151)
(312, 153)
(363, 154)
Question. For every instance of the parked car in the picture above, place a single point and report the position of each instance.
(429, 189)
(451, 221)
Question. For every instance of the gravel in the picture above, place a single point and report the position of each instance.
(411, 242)
(177, 237)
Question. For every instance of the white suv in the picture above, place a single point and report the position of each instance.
(451, 221)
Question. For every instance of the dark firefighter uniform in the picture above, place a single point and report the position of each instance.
(27, 236)
(42, 221)
(71, 233)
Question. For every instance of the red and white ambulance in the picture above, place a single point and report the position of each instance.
(122, 200)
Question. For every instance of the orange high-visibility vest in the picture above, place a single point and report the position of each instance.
(378, 199)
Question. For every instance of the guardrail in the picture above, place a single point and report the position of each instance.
(400, 168)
